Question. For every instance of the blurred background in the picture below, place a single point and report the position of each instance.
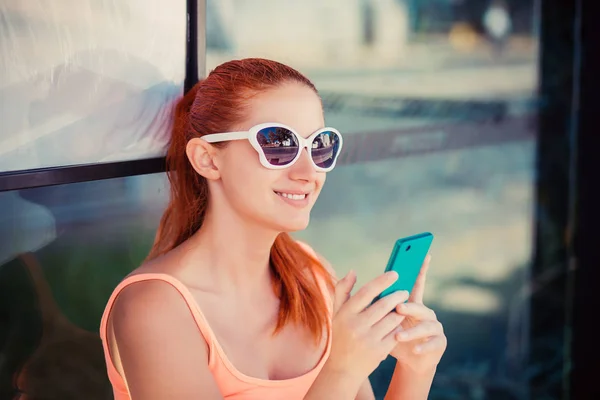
(439, 104)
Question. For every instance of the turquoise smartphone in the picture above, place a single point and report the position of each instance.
(406, 259)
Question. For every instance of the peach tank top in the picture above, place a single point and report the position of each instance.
(233, 384)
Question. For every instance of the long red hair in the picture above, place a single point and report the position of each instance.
(216, 104)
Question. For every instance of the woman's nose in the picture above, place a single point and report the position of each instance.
(304, 168)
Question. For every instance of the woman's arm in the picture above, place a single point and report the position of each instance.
(162, 351)
(420, 346)
(408, 384)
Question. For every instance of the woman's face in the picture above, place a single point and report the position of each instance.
(257, 193)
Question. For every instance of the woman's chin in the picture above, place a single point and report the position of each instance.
(293, 225)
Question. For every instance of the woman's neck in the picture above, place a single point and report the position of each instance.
(234, 252)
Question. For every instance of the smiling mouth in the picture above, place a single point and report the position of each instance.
(292, 196)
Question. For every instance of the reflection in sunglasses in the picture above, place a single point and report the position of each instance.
(323, 156)
(281, 155)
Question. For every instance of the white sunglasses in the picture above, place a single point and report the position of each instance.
(279, 146)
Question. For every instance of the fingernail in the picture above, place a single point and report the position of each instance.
(393, 274)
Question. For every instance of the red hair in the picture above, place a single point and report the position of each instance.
(216, 104)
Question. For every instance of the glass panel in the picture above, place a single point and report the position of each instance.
(437, 102)
(86, 81)
(63, 249)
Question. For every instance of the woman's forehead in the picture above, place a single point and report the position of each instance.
(294, 105)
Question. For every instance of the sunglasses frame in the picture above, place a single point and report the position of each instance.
(303, 143)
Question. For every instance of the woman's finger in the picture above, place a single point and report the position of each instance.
(434, 344)
(388, 324)
(418, 290)
(365, 295)
(382, 307)
(342, 290)
(423, 330)
(417, 311)
(389, 342)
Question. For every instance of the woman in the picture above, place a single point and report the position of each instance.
(227, 304)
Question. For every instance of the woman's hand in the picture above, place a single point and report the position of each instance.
(363, 334)
(422, 341)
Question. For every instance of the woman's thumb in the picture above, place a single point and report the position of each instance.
(343, 289)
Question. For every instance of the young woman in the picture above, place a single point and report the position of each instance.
(228, 305)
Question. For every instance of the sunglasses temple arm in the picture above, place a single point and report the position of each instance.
(226, 136)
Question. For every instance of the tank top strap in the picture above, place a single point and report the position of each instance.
(185, 293)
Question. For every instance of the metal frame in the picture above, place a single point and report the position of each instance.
(551, 280)
(585, 271)
(80, 173)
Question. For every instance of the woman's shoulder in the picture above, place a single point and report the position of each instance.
(148, 316)
(144, 289)
(156, 265)
(148, 306)
(151, 285)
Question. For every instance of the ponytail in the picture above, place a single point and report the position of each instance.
(296, 277)
(176, 226)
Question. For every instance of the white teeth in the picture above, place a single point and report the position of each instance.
(292, 196)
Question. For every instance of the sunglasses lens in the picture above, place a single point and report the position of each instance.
(279, 145)
(325, 148)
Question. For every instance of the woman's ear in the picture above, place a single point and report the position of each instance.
(201, 155)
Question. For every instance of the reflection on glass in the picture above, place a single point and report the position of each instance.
(437, 102)
(324, 148)
(85, 81)
(74, 244)
(279, 145)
